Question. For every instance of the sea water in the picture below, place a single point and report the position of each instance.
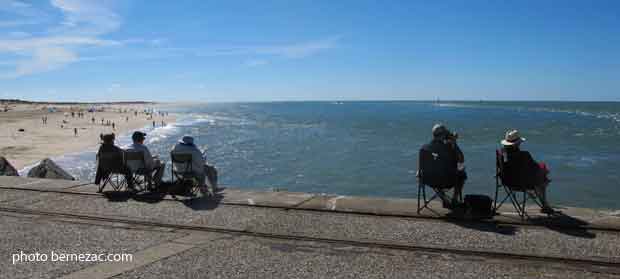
(371, 148)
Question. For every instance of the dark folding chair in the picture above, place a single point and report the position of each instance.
(183, 173)
(430, 175)
(140, 174)
(112, 164)
(512, 190)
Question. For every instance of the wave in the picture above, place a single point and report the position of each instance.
(82, 163)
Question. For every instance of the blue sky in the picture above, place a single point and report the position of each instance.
(309, 50)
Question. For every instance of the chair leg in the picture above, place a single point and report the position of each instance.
(495, 200)
(103, 182)
(514, 199)
(524, 204)
(419, 196)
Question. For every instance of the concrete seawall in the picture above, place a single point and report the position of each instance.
(240, 234)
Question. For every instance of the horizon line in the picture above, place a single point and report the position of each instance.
(26, 101)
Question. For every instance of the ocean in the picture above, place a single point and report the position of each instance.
(370, 148)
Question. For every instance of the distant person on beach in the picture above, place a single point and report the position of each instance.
(75, 132)
(93, 119)
(155, 168)
(199, 161)
(153, 123)
(107, 146)
(113, 126)
(523, 170)
(444, 145)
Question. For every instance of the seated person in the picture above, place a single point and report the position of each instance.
(520, 169)
(444, 147)
(153, 166)
(107, 146)
(199, 167)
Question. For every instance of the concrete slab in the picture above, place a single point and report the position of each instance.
(15, 181)
(37, 183)
(250, 257)
(163, 252)
(85, 188)
(282, 199)
(389, 206)
(368, 205)
(44, 236)
(18, 197)
(142, 258)
(576, 243)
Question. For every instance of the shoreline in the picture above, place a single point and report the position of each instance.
(120, 137)
(25, 139)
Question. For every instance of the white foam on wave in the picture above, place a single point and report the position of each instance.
(75, 163)
(196, 118)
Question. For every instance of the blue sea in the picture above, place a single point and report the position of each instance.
(370, 148)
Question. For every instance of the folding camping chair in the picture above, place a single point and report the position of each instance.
(512, 190)
(140, 174)
(429, 175)
(113, 166)
(182, 172)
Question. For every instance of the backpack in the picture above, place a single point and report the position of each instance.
(479, 206)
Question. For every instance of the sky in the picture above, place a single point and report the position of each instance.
(220, 51)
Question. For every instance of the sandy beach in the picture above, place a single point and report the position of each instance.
(25, 139)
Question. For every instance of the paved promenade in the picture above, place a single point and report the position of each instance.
(244, 234)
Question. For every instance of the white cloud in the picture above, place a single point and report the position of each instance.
(20, 45)
(298, 50)
(292, 50)
(83, 22)
(86, 17)
(45, 59)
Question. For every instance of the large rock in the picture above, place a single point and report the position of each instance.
(48, 169)
(6, 168)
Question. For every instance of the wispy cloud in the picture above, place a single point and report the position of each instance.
(298, 50)
(86, 17)
(256, 62)
(82, 25)
(16, 23)
(291, 50)
(14, 4)
(44, 59)
(252, 54)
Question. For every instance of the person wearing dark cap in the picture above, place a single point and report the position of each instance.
(522, 169)
(107, 146)
(444, 145)
(152, 164)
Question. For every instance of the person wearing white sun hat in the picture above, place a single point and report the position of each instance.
(523, 169)
(204, 172)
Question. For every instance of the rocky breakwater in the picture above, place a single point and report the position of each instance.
(48, 169)
(6, 168)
